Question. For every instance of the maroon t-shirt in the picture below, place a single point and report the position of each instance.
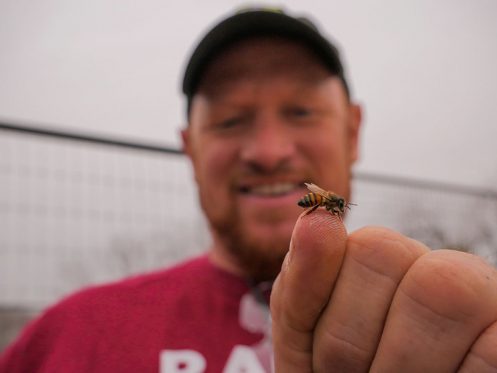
(193, 317)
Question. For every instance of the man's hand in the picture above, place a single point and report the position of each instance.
(378, 301)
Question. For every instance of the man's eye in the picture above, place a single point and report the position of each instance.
(229, 123)
(298, 112)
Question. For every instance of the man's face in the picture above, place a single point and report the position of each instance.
(267, 117)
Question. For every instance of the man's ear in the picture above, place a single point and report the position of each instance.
(185, 141)
(355, 121)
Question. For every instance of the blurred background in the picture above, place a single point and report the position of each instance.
(93, 187)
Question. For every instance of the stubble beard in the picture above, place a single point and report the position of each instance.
(260, 258)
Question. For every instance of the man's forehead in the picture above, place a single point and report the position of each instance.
(264, 58)
(249, 93)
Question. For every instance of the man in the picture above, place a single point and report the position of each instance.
(268, 110)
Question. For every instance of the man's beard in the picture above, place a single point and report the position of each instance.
(261, 258)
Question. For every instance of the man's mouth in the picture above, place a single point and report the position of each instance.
(271, 190)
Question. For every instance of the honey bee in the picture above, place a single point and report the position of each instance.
(332, 202)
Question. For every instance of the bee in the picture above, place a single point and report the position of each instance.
(332, 202)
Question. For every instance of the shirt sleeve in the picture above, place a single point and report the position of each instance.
(60, 340)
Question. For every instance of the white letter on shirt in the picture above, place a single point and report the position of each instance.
(182, 361)
(243, 359)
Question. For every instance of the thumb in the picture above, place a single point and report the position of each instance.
(303, 287)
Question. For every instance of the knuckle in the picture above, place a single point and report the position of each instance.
(483, 357)
(342, 354)
(384, 251)
(456, 285)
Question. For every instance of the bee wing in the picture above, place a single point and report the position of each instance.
(315, 189)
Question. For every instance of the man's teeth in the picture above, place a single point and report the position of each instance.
(273, 189)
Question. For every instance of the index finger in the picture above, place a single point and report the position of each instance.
(303, 287)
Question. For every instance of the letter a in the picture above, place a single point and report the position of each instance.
(243, 359)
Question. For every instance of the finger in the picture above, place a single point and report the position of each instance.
(349, 330)
(482, 357)
(445, 301)
(303, 287)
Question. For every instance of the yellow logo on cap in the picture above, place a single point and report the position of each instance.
(260, 9)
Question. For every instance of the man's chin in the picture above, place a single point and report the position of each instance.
(257, 240)
(260, 250)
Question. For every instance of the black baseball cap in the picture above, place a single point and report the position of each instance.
(258, 22)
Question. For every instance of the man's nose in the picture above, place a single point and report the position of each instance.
(269, 146)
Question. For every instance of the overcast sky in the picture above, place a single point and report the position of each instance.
(425, 72)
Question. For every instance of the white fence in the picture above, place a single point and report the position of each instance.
(75, 212)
